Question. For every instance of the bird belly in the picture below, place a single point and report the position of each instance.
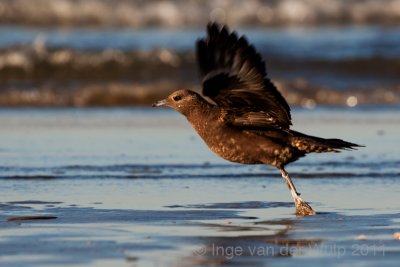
(246, 149)
(235, 154)
(243, 146)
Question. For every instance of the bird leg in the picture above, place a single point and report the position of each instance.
(302, 207)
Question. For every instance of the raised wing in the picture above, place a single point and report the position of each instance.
(234, 77)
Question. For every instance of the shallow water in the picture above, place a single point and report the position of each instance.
(137, 186)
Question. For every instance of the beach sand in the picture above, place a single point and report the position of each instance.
(137, 187)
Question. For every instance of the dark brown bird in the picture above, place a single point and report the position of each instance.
(248, 120)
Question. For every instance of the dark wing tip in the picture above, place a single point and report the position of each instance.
(215, 25)
(220, 31)
(213, 30)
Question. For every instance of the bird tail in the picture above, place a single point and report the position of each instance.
(309, 143)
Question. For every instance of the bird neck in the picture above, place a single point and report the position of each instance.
(199, 109)
(201, 115)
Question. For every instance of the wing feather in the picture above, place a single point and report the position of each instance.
(235, 78)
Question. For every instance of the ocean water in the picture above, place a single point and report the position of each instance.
(138, 186)
(324, 43)
(97, 66)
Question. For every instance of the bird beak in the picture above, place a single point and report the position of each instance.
(160, 103)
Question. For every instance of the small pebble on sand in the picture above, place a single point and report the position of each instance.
(361, 237)
(396, 235)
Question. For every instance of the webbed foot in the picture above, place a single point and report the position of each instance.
(302, 207)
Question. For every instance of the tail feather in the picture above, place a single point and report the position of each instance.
(309, 143)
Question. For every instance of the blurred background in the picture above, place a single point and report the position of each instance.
(126, 52)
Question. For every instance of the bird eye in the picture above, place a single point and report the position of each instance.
(177, 98)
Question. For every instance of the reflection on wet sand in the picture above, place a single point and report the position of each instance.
(251, 243)
(221, 235)
(326, 236)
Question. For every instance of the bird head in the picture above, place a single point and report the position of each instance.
(182, 101)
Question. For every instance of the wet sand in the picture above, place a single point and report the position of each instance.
(137, 187)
